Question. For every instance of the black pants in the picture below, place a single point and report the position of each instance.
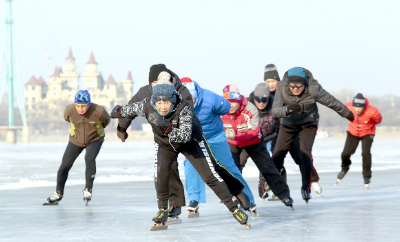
(176, 190)
(71, 153)
(350, 148)
(303, 156)
(223, 183)
(259, 154)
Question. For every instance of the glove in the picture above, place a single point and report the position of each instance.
(293, 108)
(158, 121)
(350, 117)
(122, 134)
(230, 134)
(115, 112)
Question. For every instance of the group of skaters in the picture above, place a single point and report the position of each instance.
(278, 117)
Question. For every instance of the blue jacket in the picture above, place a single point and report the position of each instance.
(208, 108)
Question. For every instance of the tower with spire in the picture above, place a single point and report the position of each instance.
(92, 79)
(126, 87)
(70, 76)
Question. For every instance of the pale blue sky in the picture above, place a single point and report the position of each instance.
(346, 44)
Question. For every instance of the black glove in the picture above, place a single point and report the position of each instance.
(350, 117)
(158, 121)
(115, 112)
(293, 108)
(122, 134)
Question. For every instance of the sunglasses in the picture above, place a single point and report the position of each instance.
(80, 105)
(296, 87)
(261, 99)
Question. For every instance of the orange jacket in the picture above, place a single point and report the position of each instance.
(364, 124)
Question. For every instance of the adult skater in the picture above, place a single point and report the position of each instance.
(208, 107)
(88, 121)
(361, 129)
(295, 104)
(177, 131)
(242, 130)
(176, 190)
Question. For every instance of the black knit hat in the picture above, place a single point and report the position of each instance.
(359, 101)
(270, 72)
(155, 70)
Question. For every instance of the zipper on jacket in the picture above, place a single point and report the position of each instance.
(84, 131)
(358, 126)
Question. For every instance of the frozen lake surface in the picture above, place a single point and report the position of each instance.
(124, 200)
(36, 165)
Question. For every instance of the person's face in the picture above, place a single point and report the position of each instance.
(164, 107)
(358, 110)
(296, 89)
(234, 107)
(261, 105)
(81, 108)
(272, 83)
(194, 101)
(153, 83)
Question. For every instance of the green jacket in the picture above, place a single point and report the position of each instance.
(89, 127)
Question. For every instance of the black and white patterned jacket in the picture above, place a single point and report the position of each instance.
(185, 125)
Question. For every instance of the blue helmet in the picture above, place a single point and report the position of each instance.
(82, 97)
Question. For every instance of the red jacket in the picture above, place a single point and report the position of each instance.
(245, 124)
(364, 124)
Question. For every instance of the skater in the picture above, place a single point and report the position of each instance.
(361, 129)
(208, 107)
(242, 130)
(177, 130)
(176, 190)
(295, 104)
(88, 121)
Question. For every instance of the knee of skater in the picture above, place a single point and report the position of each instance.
(345, 155)
(366, 154)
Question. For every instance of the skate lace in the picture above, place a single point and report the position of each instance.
(55, 197)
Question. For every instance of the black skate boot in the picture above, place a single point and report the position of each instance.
(87, 195)
(160, 220)
(193, 209)
(367, 181)
(241, 217)
(288, 202)
(243, 199)
(173, 215)
(306, 195)
(263, 192)
(340, 175)
(53, 200)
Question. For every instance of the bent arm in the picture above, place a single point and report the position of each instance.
(105, 118)
(184, 132)
(253, 125)
(325, 98)
(221, 106)
(278, 109)
(376, 117)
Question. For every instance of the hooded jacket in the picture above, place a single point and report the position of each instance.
(245, 124)
(88, 128)
(146, 91)
(186, 126)
(312, 94)
(364, 124)
(269, 125)
(209, 108)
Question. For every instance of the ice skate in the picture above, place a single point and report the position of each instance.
(173, 215)
(160, 220)
(340, 176)
(243, 200)
(305, 195)
(317, 188)
(193, 209)
(273, 198)
(53, 200)
(288, 202)
(367, 181)
(241, 217)
(263, 192)
(253, 210)
(87, 195)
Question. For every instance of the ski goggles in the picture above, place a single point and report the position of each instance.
(80, 105)
(296, 87)
(261, 99)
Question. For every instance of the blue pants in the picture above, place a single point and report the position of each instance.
(220, 149)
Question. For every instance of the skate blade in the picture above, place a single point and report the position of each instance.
(291, 206)
(157, 226)
(172, 220)
(247, 225)
(338, 180)
(322, 196)
(255, 213)
(251, 214)
(192, 214)
(49, 204)
(273, 199)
